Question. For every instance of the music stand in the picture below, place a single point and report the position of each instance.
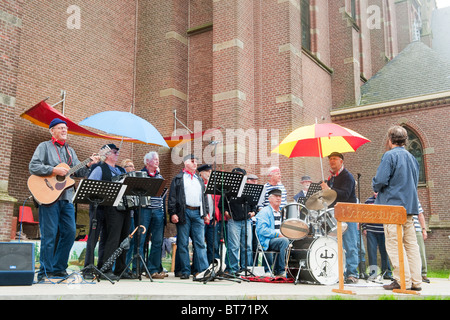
(97, 192)
(250, 195)
(313, 188)
(223, 183)
(141, 187)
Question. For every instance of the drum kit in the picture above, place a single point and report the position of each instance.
(312, 229)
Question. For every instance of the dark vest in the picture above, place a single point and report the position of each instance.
(106, 172)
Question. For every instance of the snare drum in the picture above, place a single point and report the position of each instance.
(317, 260)
(295, 221)
(329, 223)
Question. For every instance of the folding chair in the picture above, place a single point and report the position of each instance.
(260, 249)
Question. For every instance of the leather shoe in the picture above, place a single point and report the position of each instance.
(416, 288)
(393, 285)
(425, 279)
(184, 276)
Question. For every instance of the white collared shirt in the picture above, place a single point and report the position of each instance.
(192, 190)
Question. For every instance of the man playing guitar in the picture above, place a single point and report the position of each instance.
(54, 158)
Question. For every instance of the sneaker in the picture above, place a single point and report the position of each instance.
(393, 285)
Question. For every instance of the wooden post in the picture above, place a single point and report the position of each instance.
(370, 213)
(401, 262)
(341, 262)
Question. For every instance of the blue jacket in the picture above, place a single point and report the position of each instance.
(396, 180)
(265, 226)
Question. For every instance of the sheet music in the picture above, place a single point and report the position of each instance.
(120, 195)
(241, 188)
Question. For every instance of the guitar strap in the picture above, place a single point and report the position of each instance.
(69, 162)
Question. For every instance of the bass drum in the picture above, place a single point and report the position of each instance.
(317, 260)
(294, 221)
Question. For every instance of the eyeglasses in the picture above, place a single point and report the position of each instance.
(129, 166)
(114, 151)
(61, 128)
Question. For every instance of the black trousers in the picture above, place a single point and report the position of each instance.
(117, 228)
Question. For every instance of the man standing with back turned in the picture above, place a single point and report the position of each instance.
(396, 183)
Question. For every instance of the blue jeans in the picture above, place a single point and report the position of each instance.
(153, 221)
(236, 244)
(280, 245)
(59, 216)
(195, 227)
(212, 231)
(375, 240)
(350, 243)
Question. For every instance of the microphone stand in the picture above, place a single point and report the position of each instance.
(360, 267)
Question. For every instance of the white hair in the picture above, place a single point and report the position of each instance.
(150, 156)
(272, 169)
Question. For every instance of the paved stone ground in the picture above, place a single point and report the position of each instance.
(172, 288)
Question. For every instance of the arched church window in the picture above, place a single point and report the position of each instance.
(414, 146)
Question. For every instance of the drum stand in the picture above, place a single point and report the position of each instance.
(302, 263)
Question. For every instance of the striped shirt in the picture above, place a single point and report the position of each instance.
(268, 187)
(277, 217)
(372, 227)
(155, 202)
(417, 225)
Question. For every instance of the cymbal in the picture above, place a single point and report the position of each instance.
(316, 201)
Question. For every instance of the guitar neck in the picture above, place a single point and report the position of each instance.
(78, 167)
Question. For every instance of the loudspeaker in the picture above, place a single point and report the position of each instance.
(16, 264)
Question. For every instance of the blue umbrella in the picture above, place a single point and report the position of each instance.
(125, 124)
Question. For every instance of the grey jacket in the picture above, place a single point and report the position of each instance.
(48, 155)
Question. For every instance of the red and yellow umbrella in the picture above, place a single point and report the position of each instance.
(320, 140)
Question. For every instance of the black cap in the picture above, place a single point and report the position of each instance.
(111, 146)
(336, 154)
(204, 167)
(240, 170)
(276, 192)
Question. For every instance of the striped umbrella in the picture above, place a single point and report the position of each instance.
(320, 140)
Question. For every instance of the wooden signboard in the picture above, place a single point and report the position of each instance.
(370, 213)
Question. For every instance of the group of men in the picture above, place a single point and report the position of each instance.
(198, 215)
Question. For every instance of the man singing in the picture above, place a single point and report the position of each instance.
(59, 216)
(188, 209)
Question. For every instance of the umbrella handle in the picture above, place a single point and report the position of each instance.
(145, 230)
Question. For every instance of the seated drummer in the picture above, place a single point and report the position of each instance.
(268, 222)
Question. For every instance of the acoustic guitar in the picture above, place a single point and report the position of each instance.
(47, 189)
